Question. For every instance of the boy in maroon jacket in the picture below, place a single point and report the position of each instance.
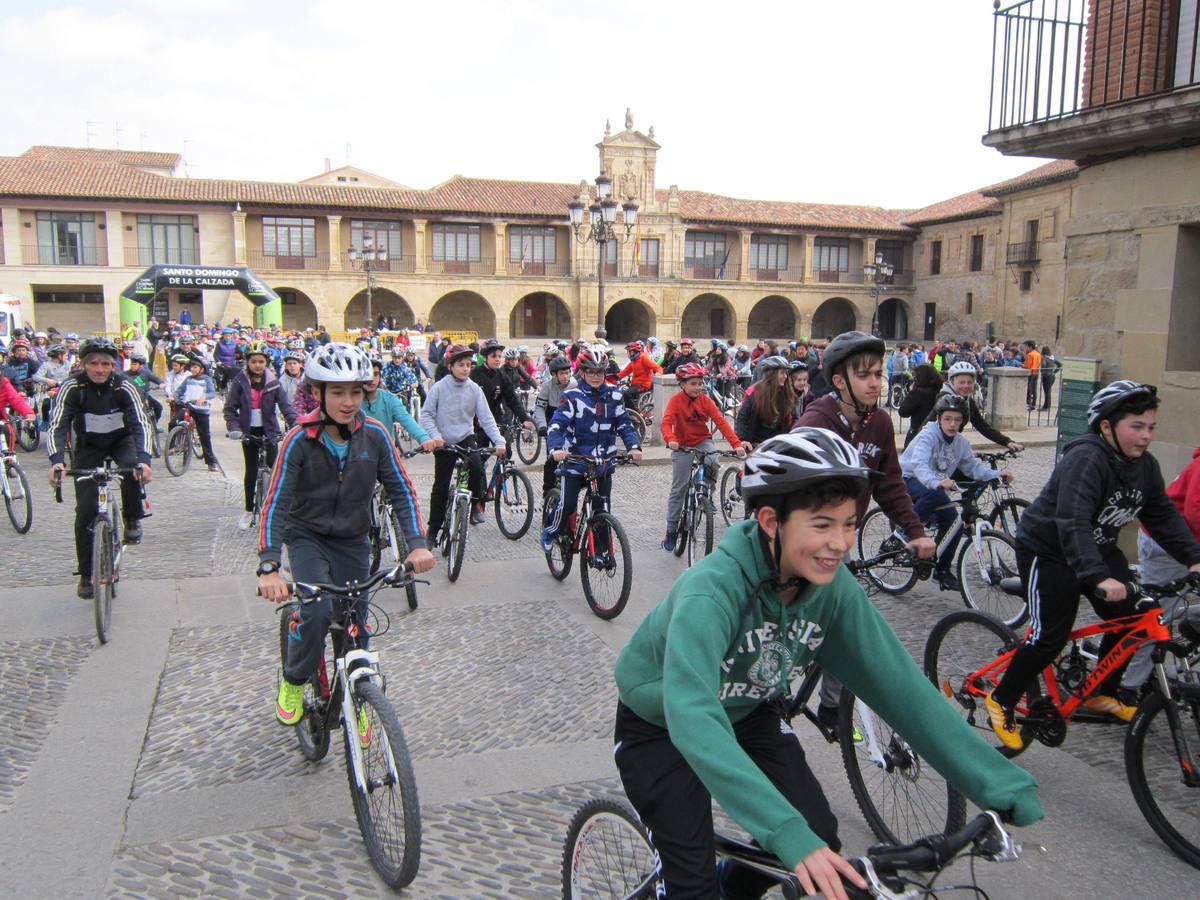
(853, 367)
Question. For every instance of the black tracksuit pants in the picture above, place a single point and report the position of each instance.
(87, 493)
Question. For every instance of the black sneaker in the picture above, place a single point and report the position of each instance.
(85, 591)
(133, 532)
(827, 716)
(948, 581)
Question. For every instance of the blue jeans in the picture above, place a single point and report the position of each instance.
(935, 503)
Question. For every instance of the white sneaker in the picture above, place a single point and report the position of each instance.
(245, 521)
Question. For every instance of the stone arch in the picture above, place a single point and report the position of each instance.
(893, 319)
(383, 302)
(464, 311)
(707, 316)
(299, 309)
(834, 316)
(541, 315)
(773, 317)
(629, 318)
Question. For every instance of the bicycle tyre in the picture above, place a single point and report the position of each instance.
(1007, 514)
(560, 556)
(1149, 787)
(312, 735)
(733, 507)
(682, 529)
(604, 831)
(179, 451)
(512, 486)
(877, 536)
(458, 539)
(394, 848)
(896, 395)
(103, 576)
(979, 575)
(902, 779)
(410, 589)
(28, 436)
(962, 643)
(197, 447)
(700, 532)
(21, 521)
(598, 580)
(260, 493)
(527, 439)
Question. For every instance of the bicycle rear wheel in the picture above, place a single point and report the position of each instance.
(17, 501)
(312, 733)
(1156, 777)
(388, 812)
(558, 560)
(895, 395)
(700, 531)
(878, 536)
(28, 436)
(103, 576)
(197, 447)
(606, 566)
(1006, 514)
(901, 796)
(958, 648)
(529, 445)
(984, 574)
(733, 507)
(458, 526)
(179, 452)
(514, 504)
(607, 854)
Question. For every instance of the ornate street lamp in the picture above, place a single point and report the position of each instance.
(601, 228)
(880, 272)
(367, 255)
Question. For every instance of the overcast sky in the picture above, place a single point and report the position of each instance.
(861, 101)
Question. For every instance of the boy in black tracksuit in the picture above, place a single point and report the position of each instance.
(1067, 546)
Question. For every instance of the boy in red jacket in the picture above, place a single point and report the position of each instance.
(685, 427)
(11, 397)
(642, 370)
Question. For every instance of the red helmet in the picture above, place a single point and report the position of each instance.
(687, 342)
(590, 359)
(689, 370)
(635, 346)
(20, 342)
(456, 352)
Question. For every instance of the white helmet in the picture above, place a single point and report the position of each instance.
(512, 353)
(962, 367)
(338, 363)
(794, 460)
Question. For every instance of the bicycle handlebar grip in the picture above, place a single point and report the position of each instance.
(58, 493)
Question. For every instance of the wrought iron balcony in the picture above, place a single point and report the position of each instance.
(1025, 253)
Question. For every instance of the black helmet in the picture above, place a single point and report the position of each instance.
(558, 364)
(796, 364)
(98, 345)
(846, 345)
(491, 345)
(788, 462)
(1112, 397)
(947, 402)
(138, 356)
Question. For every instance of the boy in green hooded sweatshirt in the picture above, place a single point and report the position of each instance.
(696, 682)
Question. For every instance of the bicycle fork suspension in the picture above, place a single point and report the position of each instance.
(349, 678)
(1187, 764)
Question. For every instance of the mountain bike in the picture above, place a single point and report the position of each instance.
(18, 502)
(986, 564)
(606, 571)
(512, 493)
(968, 652)
(183, 442)
(28, 433)
(457, 523)
(388, 544)
(262, 468)
(1000, 503)
(108, 546)
(608, 854)
(346, 686)
(694, 528)
(527, 441)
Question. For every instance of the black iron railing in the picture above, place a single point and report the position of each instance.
(1025, 253)
(1056, 58)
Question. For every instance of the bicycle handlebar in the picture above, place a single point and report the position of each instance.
(1149, 595)
(247, 438)
(935, 851)
(401, 575)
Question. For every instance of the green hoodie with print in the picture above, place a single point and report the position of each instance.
(722, 643)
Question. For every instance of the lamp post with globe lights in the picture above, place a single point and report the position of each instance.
(880, 271)
(368, 254)
(600, 227)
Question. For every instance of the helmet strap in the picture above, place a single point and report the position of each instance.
(326, 419)
(859, 410)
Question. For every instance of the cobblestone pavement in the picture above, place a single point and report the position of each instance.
(36, 675)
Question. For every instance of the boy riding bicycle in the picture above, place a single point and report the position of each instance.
(319, 505)
(929, 465)
(685, 427)
(1067, 543)
(700, 679)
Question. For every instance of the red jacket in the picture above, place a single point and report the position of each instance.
(1184, 492)
(686, 421)
(644, 369)
(10, 396)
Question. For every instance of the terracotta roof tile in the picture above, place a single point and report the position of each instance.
(1057, 170)
(699, 206)
(964, 206)
(122, 157)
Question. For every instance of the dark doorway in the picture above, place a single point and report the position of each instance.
(930, 320)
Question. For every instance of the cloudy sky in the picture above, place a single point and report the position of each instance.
(860, 101)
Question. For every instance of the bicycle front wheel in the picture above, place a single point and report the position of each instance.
(895, 395)
(260, 493)
(700, 531)
(410, 589)
(179, 450)
(733, 507)
(987, 574)
(878, 536)
(514, 504)
(901, 796)
(388, 812)
(559, 558)
(103, 575)
(1156, 776)
(458, 526)
(17, 500)
(312, 733)
(529, 445)
(1006, 514)
(28, 436)
(606, 566)
(608, 854)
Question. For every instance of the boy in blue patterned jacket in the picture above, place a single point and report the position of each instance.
(586, 423)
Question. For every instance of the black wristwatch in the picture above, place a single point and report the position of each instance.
(267, 568)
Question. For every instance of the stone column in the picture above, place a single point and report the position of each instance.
(501, 248)
(868, 255)
(744, 255)
(809, 245)
(805, 326)
(335, 243)
(665, 387)
(419, 258)
(1006, 399)
(239, 238)
(10, 217)
(114, 237)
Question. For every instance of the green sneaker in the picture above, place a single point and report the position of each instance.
(364, 727)
(289, 705)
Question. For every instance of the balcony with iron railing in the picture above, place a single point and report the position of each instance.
(481, 266)
(772, 273)
(64, 255)
(1024, 253)
(1078, 78)
(149, 256)
(316, 262)
(539, 268)
(710, 270)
